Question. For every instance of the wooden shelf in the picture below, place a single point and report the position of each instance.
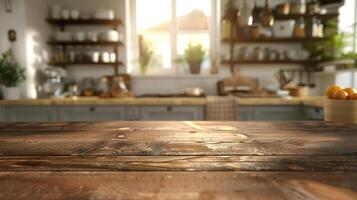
(271, 40)
(61, 22)
(266, 62)
(84, 63)
(85, 43)
(326, 16)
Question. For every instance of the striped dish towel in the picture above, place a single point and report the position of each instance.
(221, 108)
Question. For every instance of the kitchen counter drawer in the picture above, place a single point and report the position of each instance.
(314, 113)
(97, 113)
(168, 113)
(29, 114)
(278, 113)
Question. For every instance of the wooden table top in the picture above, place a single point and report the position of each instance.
(178, 160)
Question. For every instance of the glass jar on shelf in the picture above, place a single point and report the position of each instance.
(299, 29)
(103, 88)
(119, 88)
(317, 28)
(88, 87)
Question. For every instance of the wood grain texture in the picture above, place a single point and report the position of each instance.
(184, 185)
(178, 138)
(178, 160)
(179, 163)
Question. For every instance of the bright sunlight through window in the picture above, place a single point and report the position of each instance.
(164, 29)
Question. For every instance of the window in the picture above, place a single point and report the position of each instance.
(162, 29)
(347, 22)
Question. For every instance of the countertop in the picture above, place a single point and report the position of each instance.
(178, 160)
(316, 101)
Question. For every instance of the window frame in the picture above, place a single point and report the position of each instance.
(133, 43)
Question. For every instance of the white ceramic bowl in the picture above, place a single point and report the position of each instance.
(111, 35)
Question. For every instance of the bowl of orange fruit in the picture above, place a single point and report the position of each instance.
(341, 104)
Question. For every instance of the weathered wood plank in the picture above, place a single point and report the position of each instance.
(179, 163)
(178, 160)
(177, 126)
(123, 142)
(178, 185)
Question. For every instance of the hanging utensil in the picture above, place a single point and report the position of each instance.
(301, 83)
(309, 82)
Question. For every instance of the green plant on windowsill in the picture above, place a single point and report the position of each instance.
(194, 55)
(146, 53)
(11, 73)
(333, 47)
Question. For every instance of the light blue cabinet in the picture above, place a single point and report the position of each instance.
(245, 113)
(270, 113)
(278, 113)
(29, 113)
(180, 113)
(96, 113)
(313, 113)
(172, 113)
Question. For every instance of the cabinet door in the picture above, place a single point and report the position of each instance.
(2, 114)
(30, 113)
(278, 113)
(167, 113)
(314, 114)
(245, 113)
(91, 113)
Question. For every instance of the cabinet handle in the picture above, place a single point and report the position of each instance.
(91, 109)
(169, 108)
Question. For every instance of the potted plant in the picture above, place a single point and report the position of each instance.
(194, 55)
(335, 47)
(11, 75)
(146, 53)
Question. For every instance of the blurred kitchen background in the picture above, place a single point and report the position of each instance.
(270, 52)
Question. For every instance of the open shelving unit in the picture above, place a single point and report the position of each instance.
(271, 40)
(114, 24)
(84, 43)
(235, 40)
(269, 62)
(103, 22)
(63, 64)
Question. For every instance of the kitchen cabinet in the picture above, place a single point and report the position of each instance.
(97, 113)
(172, 113)
(167, 113)
(245, 113)
(313, 113)
(2, 114)
(278, 113)
(29, 113)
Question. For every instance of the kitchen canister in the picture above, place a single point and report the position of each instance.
(75, 14)
(65, 14)
(105, 57)
(113, 57)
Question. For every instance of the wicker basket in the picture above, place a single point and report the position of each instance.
(344, 111)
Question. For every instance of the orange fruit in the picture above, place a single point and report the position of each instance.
(350, 91)
(340, 95)
(331, 90)
(353, 96)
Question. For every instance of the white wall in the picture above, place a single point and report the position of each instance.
(16, 21)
